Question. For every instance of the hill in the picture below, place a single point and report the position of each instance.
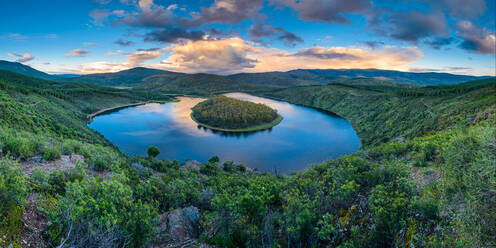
(24, 69)
(131, 77)
(326, 76)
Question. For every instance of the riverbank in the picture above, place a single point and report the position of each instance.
(112, 109)
(242, 130)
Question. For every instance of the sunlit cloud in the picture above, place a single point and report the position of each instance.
(78, 53)
(236, 55)
(21, 58)
(233, 55)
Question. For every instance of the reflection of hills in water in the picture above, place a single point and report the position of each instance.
(233, 134)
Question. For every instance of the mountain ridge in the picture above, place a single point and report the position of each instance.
(143, 76)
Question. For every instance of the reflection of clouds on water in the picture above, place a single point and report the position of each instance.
(155, 108)
(141, 133)
(181, 112)
(305, 136)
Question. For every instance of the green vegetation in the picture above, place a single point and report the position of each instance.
(382, 115)
(229, 114)
(153, 151)
(424, 177)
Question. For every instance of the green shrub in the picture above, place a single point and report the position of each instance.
(51, 153)
(104, 212)
(13, 192)
(153, 151)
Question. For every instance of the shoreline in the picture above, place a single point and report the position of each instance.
(242, 130)
(107, 110)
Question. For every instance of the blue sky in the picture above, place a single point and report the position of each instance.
(229, 36)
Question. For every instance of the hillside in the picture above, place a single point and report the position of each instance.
(326, 76)
(192, 83)
(24, 69)
(131, 77)
(424, 178)
(381, 115)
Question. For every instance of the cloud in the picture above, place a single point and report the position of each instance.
(236, 55)
(329, 11)
(325, 53)
(22, 58)
(438, 43)
(221, 11)
(388, 57)
(232, 55)
(228, 12)
(78, 53)
(102, 67)
(460, 8)
(17, 36)
(260, 30)
(374, 44)
(142, 55)
(89, 44)
(476, 39)
(101, 15)
(122, 42)
(213, 56)
(113, 53)
(415, 25)
(173, 35)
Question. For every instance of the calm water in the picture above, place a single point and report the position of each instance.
(305, 136)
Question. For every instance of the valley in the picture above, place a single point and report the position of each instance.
(423, 176)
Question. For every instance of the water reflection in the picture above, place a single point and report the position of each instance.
(305, 136)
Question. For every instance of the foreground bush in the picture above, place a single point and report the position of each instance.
(13, 192)
(96, 213)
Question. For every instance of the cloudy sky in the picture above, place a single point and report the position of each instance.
(230, 36)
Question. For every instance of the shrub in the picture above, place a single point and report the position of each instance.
(13, 192)
(51, 153)
(153, 151)
(101, 214)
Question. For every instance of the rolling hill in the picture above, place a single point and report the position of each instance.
(326, 76)
(24, 69)
(131, 77)
(181, 82)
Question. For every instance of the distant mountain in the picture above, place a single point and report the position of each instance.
(166, 80)
(66, 75)
(131, 77)
(24, 70)
(326, 76)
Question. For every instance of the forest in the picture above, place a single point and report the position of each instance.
(229, 113)
(424, 176)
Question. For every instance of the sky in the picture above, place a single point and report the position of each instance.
(232, 36)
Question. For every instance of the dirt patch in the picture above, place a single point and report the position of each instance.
(65, 162)
(424, 176)
(35, 222)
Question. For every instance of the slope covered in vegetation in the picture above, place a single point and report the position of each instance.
(224, 113)
(434, 187)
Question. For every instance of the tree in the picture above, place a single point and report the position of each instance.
(153, 151)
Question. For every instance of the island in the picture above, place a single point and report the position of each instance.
(227, 114)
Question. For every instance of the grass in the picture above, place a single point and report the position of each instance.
(243, 130)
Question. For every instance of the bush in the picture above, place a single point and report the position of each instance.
(13, 192)
(101, 214)
(51, 153)
(153, 151)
